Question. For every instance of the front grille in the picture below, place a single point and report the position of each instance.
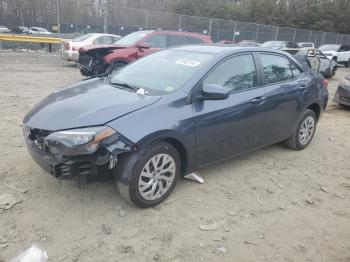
(85, 60)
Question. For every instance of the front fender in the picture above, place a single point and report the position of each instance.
(125, 55)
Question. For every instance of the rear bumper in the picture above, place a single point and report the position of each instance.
(70, 56)
(342, 96)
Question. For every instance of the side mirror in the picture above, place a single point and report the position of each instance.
(143, 45)
(214, 92)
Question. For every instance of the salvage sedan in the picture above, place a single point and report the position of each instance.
(170, 113)
(342, 96)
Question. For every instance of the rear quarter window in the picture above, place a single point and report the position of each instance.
(194, 40)
(175, 40)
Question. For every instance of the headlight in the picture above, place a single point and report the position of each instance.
(78, 141)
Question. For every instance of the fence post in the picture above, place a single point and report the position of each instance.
(147, 19)
(257, 32)
(337, 38)
(295, 32)
(323, 37)
(277, 32)
(234, 33)
(210, 25)
(180, 23)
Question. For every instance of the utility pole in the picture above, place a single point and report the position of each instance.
(58, 16)
(105, 26)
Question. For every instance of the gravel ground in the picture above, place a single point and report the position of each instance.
(275, 204)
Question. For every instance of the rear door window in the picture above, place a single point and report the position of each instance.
(175, 40)
(275, 69)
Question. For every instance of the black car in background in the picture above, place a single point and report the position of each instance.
(20, 30)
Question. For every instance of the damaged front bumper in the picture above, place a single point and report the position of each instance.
(83, 168)
(342, 96)
(91, 66)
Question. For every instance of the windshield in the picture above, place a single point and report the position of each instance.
(163, 72)
(273, 44)
(81, 38)
(329, 48)
(133, 38)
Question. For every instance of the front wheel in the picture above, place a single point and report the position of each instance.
(347, 64)
(152, 175)
(304, 132)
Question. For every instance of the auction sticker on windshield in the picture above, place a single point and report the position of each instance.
(187, 62)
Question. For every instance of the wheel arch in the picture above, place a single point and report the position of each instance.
(316, 108)
(176, 140)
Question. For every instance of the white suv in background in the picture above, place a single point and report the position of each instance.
(338, 53)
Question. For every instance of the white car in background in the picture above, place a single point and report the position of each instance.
(338, 53)
(307, 44)
(70, 48)
(39, 31)
(4, 30)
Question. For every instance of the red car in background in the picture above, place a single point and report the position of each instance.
(100, 60)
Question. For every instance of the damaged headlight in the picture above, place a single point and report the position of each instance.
(78, 141)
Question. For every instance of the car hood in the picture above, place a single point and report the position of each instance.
(88, 103)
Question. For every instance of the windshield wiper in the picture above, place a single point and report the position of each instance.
(125, 85)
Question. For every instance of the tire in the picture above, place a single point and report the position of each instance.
(347, 64)
(295, 141)
(140, 170)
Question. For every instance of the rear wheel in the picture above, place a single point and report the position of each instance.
(153, 175)
(304, 132)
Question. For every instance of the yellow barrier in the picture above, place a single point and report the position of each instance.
(31, 39)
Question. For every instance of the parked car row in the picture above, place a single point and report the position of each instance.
(24, 30)
(99, 60)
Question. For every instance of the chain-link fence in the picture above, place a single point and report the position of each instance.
(109, 16)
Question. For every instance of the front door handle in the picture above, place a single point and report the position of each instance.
(258, 100)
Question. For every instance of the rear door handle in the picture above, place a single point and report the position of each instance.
(302, 86)
(258, 100)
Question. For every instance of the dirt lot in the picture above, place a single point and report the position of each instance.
(272, 205)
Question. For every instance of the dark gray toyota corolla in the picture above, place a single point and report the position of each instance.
(172, 112)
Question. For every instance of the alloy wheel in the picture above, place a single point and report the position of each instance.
(306, 131)
(157, 176)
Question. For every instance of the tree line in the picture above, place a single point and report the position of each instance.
(323, 15)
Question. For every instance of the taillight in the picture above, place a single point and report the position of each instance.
(325, 83)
